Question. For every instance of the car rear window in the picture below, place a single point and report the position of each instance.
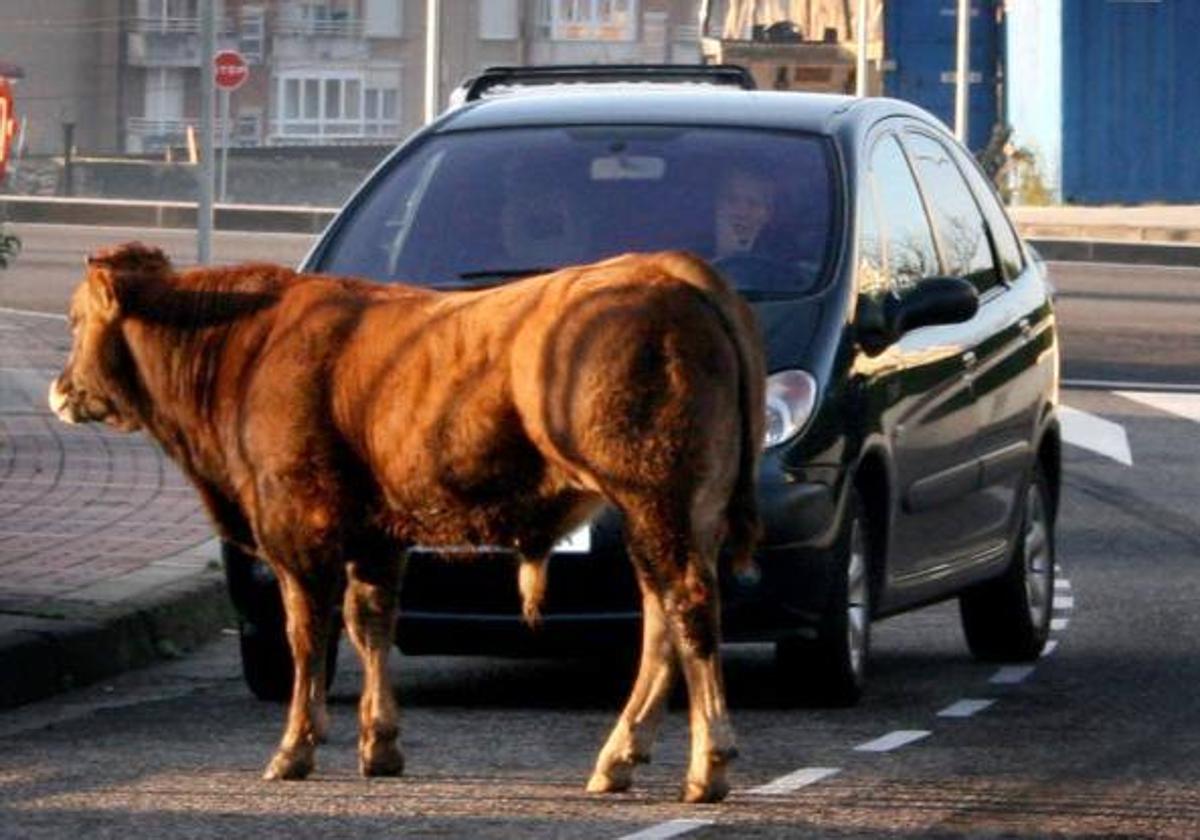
(476, 208)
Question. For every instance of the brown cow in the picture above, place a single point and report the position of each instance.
(330, 423)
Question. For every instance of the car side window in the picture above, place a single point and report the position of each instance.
(956, 217)
(908, 252)
(1008, 249)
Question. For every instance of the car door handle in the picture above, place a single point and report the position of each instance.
(969, 360)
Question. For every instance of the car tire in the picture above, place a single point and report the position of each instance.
(1007, 619)
(267, 665)
(830, 667)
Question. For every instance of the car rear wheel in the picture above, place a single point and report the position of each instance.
(830, 669)
(1008, 619)
(262, 635)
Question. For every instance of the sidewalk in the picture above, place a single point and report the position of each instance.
(107, 561)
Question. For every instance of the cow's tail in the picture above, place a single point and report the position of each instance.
(744, 526)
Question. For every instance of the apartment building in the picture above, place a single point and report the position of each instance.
(127, 72)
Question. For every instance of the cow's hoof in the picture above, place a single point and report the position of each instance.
(289, 766)
(713, 791)
(615, 779)
(383, 760)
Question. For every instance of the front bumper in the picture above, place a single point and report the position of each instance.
(453, 604)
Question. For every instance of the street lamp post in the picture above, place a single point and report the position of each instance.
(962, 76)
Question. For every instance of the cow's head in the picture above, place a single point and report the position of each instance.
(99, 382)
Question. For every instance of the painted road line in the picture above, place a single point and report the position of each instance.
(1060, 623)
(1064, 602)
(965, 708)
(1096, 434)
(1181, 405)
(1050, 647)
(1062, 583)
(5, 310)
(672, 828)
(803, 777)
(1011, 674)
(1119, 385)
(893, 740)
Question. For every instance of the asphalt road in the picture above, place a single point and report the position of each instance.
(1099, 739)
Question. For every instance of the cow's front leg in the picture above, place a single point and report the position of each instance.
(308, 624)
(370, 614)
(632, 739)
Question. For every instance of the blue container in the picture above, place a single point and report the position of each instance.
(1130, 101)
(920, 45)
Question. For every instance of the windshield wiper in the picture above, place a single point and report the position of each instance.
(504, 273)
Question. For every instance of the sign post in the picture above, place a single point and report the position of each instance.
(230, 72)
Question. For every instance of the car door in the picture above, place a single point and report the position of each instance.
(921, 385)
(1007, 334)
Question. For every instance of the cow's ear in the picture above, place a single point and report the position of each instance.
(102, 282)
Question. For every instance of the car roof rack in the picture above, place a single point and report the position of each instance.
(730, 75)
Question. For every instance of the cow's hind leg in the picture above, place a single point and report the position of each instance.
(309, 607)
(632, 739)
(370, 615)
(677, 552)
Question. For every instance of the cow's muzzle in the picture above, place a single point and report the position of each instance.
(61, 403)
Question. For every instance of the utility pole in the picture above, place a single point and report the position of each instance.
(962, 77)
(204, 205)
(860, 34)
(433, 57)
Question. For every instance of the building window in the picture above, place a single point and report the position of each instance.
(252, 33)
(591, 20)
(332, 106)
(499, 20)
(384, 19)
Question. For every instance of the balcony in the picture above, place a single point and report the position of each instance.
(325, 39)
(172, 42)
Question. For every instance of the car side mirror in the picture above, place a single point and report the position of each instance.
(935, 300)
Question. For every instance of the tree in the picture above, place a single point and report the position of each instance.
(10, 246)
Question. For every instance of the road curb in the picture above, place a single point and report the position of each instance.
(1113, 251)
(47, 655)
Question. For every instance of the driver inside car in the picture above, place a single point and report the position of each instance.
(745, 205)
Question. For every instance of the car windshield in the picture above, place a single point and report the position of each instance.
(470, 209)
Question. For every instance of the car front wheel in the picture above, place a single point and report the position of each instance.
(830, 669)
(1007, 619)
(262, 629)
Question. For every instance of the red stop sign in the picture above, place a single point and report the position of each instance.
(8, 125)
(230, 69)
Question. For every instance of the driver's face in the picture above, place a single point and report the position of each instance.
(743, 208)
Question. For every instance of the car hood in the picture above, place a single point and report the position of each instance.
(793, 331)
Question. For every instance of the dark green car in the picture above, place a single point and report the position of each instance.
(913, 445)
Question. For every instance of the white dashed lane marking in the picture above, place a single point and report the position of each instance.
(1059, 624)
(894, 740)
(1011, 675)
(662, 831)
(1050, 647)
(965, 708)
(794, 781)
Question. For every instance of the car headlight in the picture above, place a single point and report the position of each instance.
(791, 397)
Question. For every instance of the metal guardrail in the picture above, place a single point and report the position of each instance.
(312, 220)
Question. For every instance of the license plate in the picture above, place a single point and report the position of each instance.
(578, 541)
